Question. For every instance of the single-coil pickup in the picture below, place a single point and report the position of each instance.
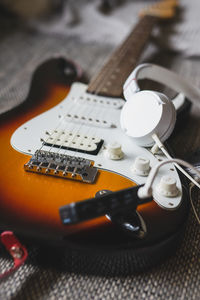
(72, 141)
(99, 101)
(88, 120)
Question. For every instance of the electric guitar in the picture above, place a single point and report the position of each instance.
(65, 144)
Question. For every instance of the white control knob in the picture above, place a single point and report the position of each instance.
(167, 187)
(141, 166)
(114, 151)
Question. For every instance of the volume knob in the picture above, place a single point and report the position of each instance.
(141, 166)
(114, 151)
(167, 187)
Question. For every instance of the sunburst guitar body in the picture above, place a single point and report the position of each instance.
(64, 144)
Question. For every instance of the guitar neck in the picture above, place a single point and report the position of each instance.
(109, 81)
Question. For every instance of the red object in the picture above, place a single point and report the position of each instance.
(16, 250)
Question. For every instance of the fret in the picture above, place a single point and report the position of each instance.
(109, 81)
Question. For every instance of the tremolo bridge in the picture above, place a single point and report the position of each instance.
(61, 165)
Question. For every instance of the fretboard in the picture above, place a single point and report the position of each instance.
(109, 81)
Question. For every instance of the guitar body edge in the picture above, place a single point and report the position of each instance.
(29, 202)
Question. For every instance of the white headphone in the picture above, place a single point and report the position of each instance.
(148, 112)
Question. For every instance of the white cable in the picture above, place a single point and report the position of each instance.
(146, 190)
(192, 204)
(163, 149)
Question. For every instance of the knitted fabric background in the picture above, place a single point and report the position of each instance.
(49, 274)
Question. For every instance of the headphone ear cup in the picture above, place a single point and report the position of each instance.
(146, 113)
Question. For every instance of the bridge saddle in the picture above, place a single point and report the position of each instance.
(61, 165)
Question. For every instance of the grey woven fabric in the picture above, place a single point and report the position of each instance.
(177, 278)
(23, 50)
(51, 275)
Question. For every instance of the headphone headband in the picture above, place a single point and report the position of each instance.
(161, 75)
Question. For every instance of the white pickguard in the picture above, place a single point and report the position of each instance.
(27, 138)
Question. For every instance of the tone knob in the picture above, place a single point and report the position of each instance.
(167, 186)
(114, 151)
(141, 166)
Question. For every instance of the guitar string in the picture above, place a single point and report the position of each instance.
(126, 46)
(83, 134)
(53, 131)
(122, 53)
(109, 71)
(86, 134)
(76, 133)
(49, 137)
(67, 124)
(120, 56)
(57, 138)
(92, 130)
(72, 126)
